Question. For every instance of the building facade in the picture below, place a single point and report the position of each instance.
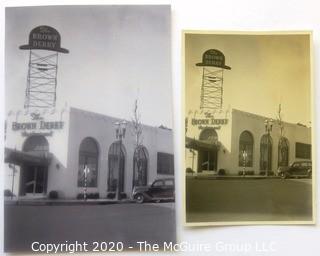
(49, 151)
(239, 141)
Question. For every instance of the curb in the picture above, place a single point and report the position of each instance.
(232, 177)
(66, 202)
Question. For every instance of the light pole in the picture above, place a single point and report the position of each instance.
(14, 171)
(244, 156)
(193, 154)
(120, 134)
(86, 170)
(268, 123)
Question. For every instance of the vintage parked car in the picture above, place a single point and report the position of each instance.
(296, 170)
(161, 189)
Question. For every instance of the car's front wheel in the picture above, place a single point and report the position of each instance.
(283, 175)
(139, 198)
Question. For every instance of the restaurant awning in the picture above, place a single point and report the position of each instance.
(201, 145)
(18, 157)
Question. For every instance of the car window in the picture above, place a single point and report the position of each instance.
(169, 182)
(158, 183)
(305, 164)
(296, 165)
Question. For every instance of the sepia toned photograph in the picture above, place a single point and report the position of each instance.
(248, 128)
(88, 128)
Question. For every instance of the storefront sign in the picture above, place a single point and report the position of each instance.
(44, 38)
(213, 58)
(205, 127)
(209, 121)
(42, 125)
(28, 134)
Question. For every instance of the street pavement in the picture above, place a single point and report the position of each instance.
(128, 223)
(248, 200)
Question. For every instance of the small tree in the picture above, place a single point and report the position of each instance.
(283, 147)
(137, 133)
(279, 121)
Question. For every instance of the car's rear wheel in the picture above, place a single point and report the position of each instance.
(283, 175)
(139, 198)
(309, 175)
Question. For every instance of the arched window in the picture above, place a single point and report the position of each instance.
(209, 135)
(88, 156)
(140, 166)
(266, 153)
(36, 144)
(246, 149)
(116, 162)
(283, 152)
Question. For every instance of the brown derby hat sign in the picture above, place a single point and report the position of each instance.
(213, 58)
(44, 38)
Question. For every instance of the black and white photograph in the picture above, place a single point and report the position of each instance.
(88, 137)
(248, 128)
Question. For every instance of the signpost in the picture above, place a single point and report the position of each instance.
(244, 156)
(86, 171)
(14, 171)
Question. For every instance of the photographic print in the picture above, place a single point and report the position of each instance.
(88, 128)
(248, 128)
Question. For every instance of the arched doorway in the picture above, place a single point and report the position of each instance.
(116, 164)
(208, 156)
(34, 176)
(246, 149)
(266, 153)
(140, 167)
(88, 156)
(283, 152)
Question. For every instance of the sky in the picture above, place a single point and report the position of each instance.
(117, 54)
(266, 70)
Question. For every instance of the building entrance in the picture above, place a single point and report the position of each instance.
(34, 176)
(35, 179)
(208, 156)
(207, 160)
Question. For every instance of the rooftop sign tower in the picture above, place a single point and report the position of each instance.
(213, 65)
(44, 46)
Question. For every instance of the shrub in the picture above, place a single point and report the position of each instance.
(222, 172)
(247, 172)
(123, 195)
(189, 170)
(8, 193)
(270, 173)
(111, 195)
(80, 196)
(53, 194)
(94, 196)
(89, 196)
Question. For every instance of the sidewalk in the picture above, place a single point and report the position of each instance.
(46, 201)
(230, 177)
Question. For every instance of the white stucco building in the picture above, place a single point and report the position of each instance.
(50, 149)
(238, 139)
